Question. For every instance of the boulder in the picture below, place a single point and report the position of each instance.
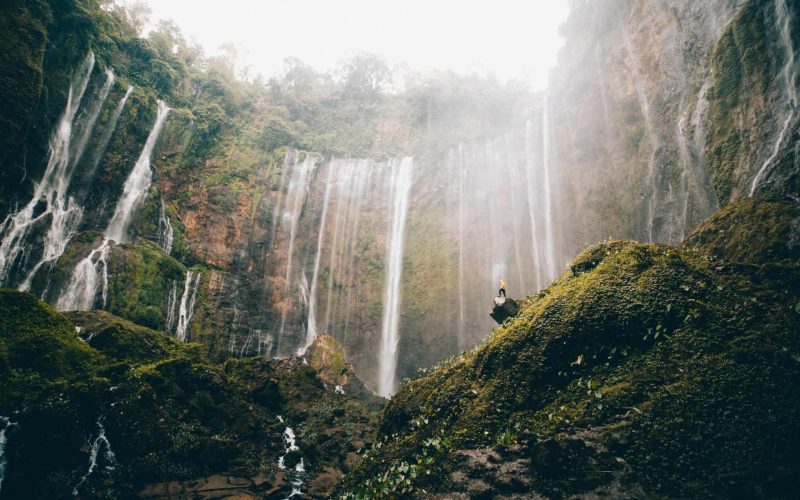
(504, 308)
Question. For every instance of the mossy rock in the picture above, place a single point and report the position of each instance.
(751, 230)
(326, 355)
(662, 371)
(168, 412)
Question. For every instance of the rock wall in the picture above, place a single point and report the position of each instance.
(657, 113)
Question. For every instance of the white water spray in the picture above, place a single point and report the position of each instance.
(137, 184)
(789, 72)
(187, 306)
(62, 211)
(295, 197)
(81, 291)
(100, 443)
(7, 425)
(165, 232)
(312, 333)
(401, 181)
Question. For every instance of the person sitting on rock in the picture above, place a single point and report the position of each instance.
(502, 289)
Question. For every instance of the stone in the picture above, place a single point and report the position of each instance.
(504, 308)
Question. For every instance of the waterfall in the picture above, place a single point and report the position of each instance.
(549, 238)
(105, 139)
(352, 177)
(690, 139)
(295, 200)
(7, 426)
(81, 290)
(79, 146)
(172, 304)
(99, 443)
(312, 303)
(789, 72)
(290, 445)
(530, 172)
(137, 184)
(165, 232)
(62, 211)
(461, 305)
(187, 304)
(503, 193)
(401, 180)
(644, 106)
(80, 293)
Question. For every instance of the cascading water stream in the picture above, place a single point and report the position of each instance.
(790, 77)
(78, 147)
(63, 212)
(312, 303)
(7, 425)
(165, 232)
(290, 445)
(549, 243)
(137, 184)
(172, 305)
(644, 106)
(295, 197)
(80, 292)
(401, 181)
(187, 304)
(105, 139)
(99, 443)
(530, 172)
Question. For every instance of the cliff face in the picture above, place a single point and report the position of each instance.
(643, 370)
(658, 113)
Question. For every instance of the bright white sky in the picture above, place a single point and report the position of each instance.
(514, 39)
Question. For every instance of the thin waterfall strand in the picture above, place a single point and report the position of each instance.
(400, 188)
(51, 189)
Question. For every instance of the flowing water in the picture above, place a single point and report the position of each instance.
(187, 304)
(100, 443)
(300, 177)
(651, 193)
(297, 476)
(789, 73)
(503, 220)
(7, 425)
(172, 307)
(50, 209)
(165, 232)
(80, 293)
(401, 181)
(312, 302)
(137, 184)
(105, 139)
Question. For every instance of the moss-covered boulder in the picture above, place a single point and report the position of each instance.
(647, 370)
(327, 357)
(152, 410)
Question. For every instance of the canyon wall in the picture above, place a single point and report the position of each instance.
(268, 218)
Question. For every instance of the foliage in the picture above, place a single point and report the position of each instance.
(666, 358)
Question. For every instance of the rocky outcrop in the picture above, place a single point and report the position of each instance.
(645, 373)
(160, 417)
(503, 309)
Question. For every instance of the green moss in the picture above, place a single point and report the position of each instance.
(141, 277)
(741, 70)
(752, 231)
(662, 356)
(168, 412)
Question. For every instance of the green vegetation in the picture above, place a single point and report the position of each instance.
(645, 366)
(168, 412)
(741, 71)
